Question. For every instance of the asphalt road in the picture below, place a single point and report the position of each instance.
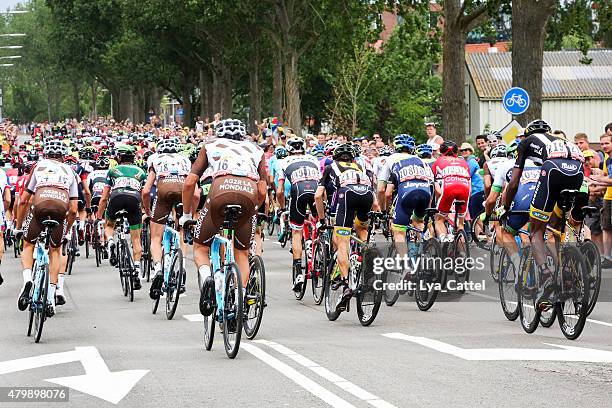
(461, 353)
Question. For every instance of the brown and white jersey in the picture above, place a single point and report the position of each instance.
(234, 157)
(170, 164)
(51, 173)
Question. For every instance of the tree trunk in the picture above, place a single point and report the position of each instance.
(292, 91)
(254, 92)
(227, 99)
(529, 20)
(453, 87)
(156, 96)
(217, 86)
(277, 87)
(49, 100)
(203, 98)
(76, 100)
(186, 96)
(210, 100)
(94, 97)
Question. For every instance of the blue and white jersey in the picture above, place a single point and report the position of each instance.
(404, 169)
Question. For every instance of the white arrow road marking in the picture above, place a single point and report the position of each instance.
(97, 381)
(298, 378)
(567, 353)
(328, 375)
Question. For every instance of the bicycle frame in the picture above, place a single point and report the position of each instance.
(218, 264)
(41, 257)
(170, 243)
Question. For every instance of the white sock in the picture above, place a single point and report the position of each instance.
(204, 272)
(60, 282)
(27, 275)
(157, 267)
(51, 296)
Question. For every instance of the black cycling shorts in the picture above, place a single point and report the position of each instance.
(124, 200)
(301, 198)
(352, 201)
(81, 197)
(556, 175)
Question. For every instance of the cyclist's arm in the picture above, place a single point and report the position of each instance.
(487, 178)
(146, 192)
(103, 202)
(262, 184)
(197, 169)
(73, 209)
(513, 184)
(87, 194)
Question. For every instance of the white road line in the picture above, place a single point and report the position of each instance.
(298, 378)
(194, 317)
(328, 375)
(599, 322)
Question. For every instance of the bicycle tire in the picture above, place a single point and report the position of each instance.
(592, 260)
(41, 312)
(270, 226)
(529, 314)
(465, 276)
(572, 256)
(30, 308)
(367, 288)
(232, 306)
(392, 278)
(506, 286)
(494, 257)
(429, 278)
(73, 248)
(16, 246)
(256, 297)
(209, 328)
(98, 255)
(317, 275)
(330, 296)
(173, 292)
(87, 239)
(128, 271)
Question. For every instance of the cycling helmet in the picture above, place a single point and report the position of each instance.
(511, 150)
(71, 159)
(281, 152)
(87, 153)
(102, 163)
(345, 150)
(499, 151)
(125, 150)
(424, 151)
(27, 167)
(231, 129)
(167, 146)
(147, 154)
(537, 126)
(330, 146)
(296, 145)
(32, 156)
(403, 142)
(357, 149)
(449, 148)
(494, 136)
(54, 147)
(385, 151)
(318, 151)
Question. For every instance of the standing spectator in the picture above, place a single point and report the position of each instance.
(595, 200)
(433, 139)
(475, 206)
(606, 214)
(320, 140)
(582, 141)
(481, 143)
(609, 129)
(377, 138)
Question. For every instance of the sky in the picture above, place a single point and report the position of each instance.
(4, 4)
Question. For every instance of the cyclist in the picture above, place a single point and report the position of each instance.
(498, 160)
(561, 168)
(122, 192)
(379, 162)
(354, 200)
(239, 177)
(168, 172)
(454, 175)
(413, 180)
(425, 152)
(51, 193)
(302, 172)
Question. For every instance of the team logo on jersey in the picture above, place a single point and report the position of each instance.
(569, 166)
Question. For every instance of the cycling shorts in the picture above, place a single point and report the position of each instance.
(204, 193)
(412, 201)
(128, 201)
(556, 175)
(169, 194)
(354, 201)
(452, 192)
(81, 197)
(226, 190)
(301, 198)
(48, 203)
(520, 204)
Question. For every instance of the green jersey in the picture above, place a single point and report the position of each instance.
(126, 178)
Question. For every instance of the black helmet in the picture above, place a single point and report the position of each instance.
(537, 126)
(449, 148)
(231, 129)
(344, 150)
(32, 156)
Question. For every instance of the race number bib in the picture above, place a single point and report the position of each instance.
(127, 183)
(175, 168)
(236, 166)
(305, 174)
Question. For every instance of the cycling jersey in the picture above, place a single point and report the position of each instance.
(540, 147)
(455, 176)
(299, 168)
(234, 157)
(170, 169)
(302, 173)
(125, 178)
(96, 180)
(497, 163)
(524, 195)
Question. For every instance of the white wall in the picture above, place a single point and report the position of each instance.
(572, 116)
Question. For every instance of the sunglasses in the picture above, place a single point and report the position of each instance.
(376, 137)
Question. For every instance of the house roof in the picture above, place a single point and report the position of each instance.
(564, 77)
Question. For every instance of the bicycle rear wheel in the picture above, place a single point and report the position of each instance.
(255, 297)
(209, 327)
(508, 296)
(592, 261)
(232, 310)
(174, 283)
(480, 236)
(72, 254)
(87, 239)
(319, 267)
(429, 275)
(392, 279)
(528, 312)
(572, 311)
(331, 295)
(494, 257)
(461, 249)
(368, 297)
(41, 309)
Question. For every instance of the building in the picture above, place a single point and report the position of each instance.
(576, 97)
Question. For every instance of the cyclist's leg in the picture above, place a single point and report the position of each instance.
(445, 202)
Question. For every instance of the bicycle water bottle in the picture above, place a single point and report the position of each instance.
(218, 281)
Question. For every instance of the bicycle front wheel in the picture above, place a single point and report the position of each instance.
(41, 303)
(232, 310)
(392, 278)
(461, 249)
(368, 297)
(528, 312)
(177, 276)
(507, 288)
(592, 260)
(319, 267)
(332, 294)
(429, 275)
(573, 308)
(255, 300)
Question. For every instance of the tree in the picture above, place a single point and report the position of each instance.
(460, 16)
(529, 19)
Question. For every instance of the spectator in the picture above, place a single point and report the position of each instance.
(595, 200)
(433, 139)
(582, 141)
(481, 143)
(609, 129)
(475, 206)
(606, 215)
(377, 138)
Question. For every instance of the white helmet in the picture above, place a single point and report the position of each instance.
(231, 129)
(54, 147)
(296, 144)
(167, 146)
